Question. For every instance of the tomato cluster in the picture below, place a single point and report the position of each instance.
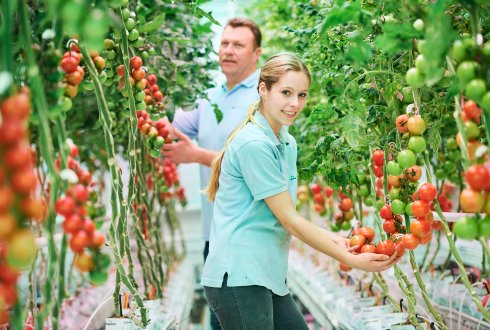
(81, 228)
(153, 96)
(472, 69)
(346, 208)
(129, 18)
(136, 79)
(156, 132)
(318, 198)
(169, 181)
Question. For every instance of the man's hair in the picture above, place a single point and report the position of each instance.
(245, 22)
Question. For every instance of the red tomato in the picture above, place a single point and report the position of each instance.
(6, 198)
(420, 228)
(73, 150)
(386, 247)
(69, 63)
(427, 192)
(478, 177)
(88, 227)
(158, 96)
(426, 239)
(152, 79)
(79, 241)
(367, 232)
(136, 62)
(401, 123)
(139, 74)
(471, 110)
(98, 239)
(471, 201)
(16, 107)
(73, 224)
(400, 249)
(316, 188)
(410, 242)
(74, 78)
(24, 181)
(12, 131)
(84, 177)
(389, 226)
(318, 198)
(8, 294)
(378, 158)
(346, 204)
(368, 248)
(120, 70)
(65, 206)
(8, 275)
(385, 212)
(420, 208)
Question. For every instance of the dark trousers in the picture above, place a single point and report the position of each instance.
(253, 307)
(214, 322)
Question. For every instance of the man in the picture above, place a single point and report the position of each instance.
(239, 53)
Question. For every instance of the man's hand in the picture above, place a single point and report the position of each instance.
(182, 152)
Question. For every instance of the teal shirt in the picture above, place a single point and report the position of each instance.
(247, 241)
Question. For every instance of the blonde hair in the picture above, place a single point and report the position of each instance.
(270, 73)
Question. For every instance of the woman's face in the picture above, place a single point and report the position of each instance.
(285, 100)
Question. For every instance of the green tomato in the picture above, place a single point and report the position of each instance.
(103, 261)
(485, 102)
(449, 166)
(130, 24)
(335, 228)
(454, 177)
(155, 153)
(125, 13)
(466, 71)
(475, 89)
(418, 25)
(368, 201)
(361, 178)
(484, 227)
(454, 155)
(346, 225)
(393, 168)
(159, 142)
(407, 95)
(398, 207)
(466, 228)
(88, 85)
(98, 278)
(133, 35)
(406, 158)
(440, 174)
(139, 42)
(66, 103)
(451, 144)
(472, 130)
(416, 144)
(139, 96)
(140, 106)
(421, 64)
(379, 204)
(422, 46)
(110, 73)
(111, 54)
(408, 209)
(394, 193)
(103, 76)
(415, 78)
(108, 44)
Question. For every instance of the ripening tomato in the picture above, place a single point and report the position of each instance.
(378, 157)
(83, 262)
(416, 125)
(24, 181)
(136, 62)
(401, 123)
(98, 239)
(478, 177)
(471, 201)
(139, 74)
(420, 228)
(385, 212)
(34, 208)
(158, 96)
(8, 224)
(84, 177)
(346, 204)
(65, 206)
(426, 239)
(315, 188)
(413, 173)
(368, 248)
(74, 78)
(471, 110)
(389, 226)
(152, 79)
(420, 208)
(16, 107)
(357, 240)
(99, 62)
(427, 192)
(21, 250)
(385, 247)
(79, 241)
(6, 198)
(367, 232)
(410, 242)
(395, 181)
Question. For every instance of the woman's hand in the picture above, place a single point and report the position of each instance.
(344, 243)
(372, 262)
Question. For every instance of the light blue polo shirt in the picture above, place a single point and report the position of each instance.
(247, 241)
(201, 123)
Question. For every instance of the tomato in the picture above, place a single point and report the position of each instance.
(79, 241)
(427, 238)
(363, 190)
(70, 90)
(440, 174)
(416, 144)
(88, 227)
(367, 232)
(471, 201)
(24, 181)
(394, 193)
(349, 215)
(420, 208)
(8, 225)
(466, 228)
(16, 107)
(472, 130)
(475, 89)
(357, 240)
(416, 125)
(408, 209)
(346, 204)
(410, 242)
(21, 250)
(478, 177)
(401, 123)
(136, 62)
(415, 78)
(484, 227)
(8, 294)
(12, 131)
(397, 207)
(406, 158)
(120, 70)
(318, 198)
(428, 192)
(385, 247)
(99, 63)
(139, 74)
(152, 79)
(420, 228)
(34, 208)
(8, 275)
(400, 249)
(98, 278)
(413, 173)
(368, 248)
(393, 168)
(421, 63)
(395, 181)
(65, 206)
(418, 25)
(315, 188)
(98, 239)
(389, 226)
(69, 64)
(6, 198)
(83, 262)
(378, 171)
(471, 110)
(466, 71)
(385, 212)
(84, 177)
(378, 157)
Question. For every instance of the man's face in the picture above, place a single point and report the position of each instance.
(237, 53)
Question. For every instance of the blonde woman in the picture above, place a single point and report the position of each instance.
(253, 185)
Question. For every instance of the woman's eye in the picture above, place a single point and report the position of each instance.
(303, 95)
(287, 93)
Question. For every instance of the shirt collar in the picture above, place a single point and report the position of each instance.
(248, 82)
(283, 133)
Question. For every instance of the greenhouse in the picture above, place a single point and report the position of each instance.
(222, 164)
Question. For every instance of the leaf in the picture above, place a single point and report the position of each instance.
(347, 12)
(217, 113)
(395, 37)
(199, 13)
(154, 24)
(352, 126)
(6, 81)
(434, 138)
(359, 54)
(321, 113)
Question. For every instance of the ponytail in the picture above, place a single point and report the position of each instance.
(213, 184)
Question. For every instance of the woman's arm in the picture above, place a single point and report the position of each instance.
(322, 240)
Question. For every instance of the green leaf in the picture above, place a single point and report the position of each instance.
(434, 138)
(322, 113)
(153, 24)
(199, 13)
(352, 127)
(347, 12)
(396, 37)
(217, 113)
(359, 54)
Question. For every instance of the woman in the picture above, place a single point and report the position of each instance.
(253, 185)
